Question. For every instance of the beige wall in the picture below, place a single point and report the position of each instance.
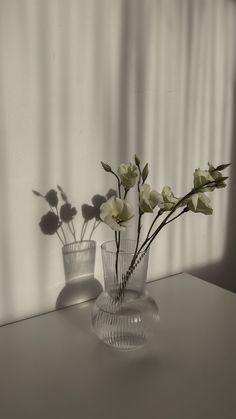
(89, 80)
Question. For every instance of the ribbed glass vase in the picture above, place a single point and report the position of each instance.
(124, 317)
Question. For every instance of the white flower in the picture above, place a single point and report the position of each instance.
(199, 202)
(201, 177)
(168, 199)
(128, 173)
(116, 213)
(149, 199)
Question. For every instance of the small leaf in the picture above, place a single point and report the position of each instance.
(222, 166)
(221, 179)
(106, 167)
(145, 172)
(137, 161)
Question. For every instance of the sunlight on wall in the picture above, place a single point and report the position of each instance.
(86, 80)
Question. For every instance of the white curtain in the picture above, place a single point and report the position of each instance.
(89, 80)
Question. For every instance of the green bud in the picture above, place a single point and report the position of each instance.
(137, 161)
(145, 172)
(106, 167)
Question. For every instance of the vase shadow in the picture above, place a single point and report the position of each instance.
(78, 291)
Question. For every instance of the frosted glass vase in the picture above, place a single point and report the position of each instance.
(128, 321)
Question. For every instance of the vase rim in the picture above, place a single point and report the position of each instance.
(68, 245)
(103, 246)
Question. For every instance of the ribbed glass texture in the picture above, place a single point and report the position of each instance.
(128, 322)
(79, 259)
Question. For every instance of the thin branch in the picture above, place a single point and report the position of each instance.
(119, 183)
(160, 212)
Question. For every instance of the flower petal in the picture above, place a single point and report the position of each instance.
(111, 222)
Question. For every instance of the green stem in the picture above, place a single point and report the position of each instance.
(160, 212)
(119, 183)
(186, 209)
(140, 213)
(125, 194)
(117, 239)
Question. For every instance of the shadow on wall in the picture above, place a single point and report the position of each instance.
(223, 273)
(79, 259)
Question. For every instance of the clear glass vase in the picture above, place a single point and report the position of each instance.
(79, 264)
(124, 319)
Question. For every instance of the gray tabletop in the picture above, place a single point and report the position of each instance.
(53, 366)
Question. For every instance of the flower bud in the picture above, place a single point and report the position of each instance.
(106, 167)
(128, 173)
(145, 172)
(136, 160)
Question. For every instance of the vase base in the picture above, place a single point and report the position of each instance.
(125, 326)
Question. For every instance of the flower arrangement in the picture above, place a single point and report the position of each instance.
(59, 219)
(117, 213)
